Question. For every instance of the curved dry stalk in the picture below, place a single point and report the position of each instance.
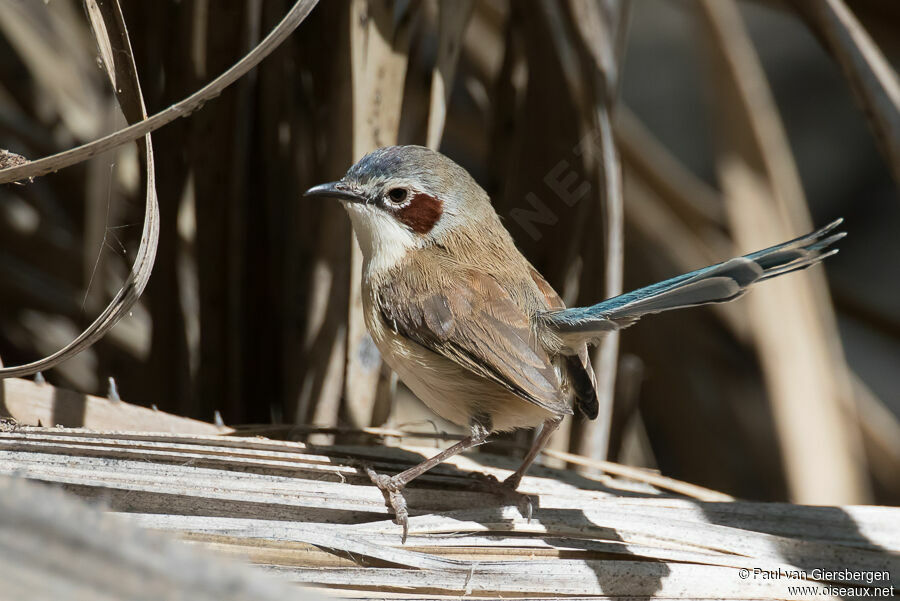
(117, 55)
(295, 16)
(870, 75)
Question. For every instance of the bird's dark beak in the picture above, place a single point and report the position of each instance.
(335, 190)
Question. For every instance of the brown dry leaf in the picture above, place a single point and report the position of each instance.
(11, 159)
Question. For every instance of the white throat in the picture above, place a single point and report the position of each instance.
(384, 242)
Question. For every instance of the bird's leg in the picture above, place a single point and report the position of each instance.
(392, 486)
(507, 488)
(540, 442)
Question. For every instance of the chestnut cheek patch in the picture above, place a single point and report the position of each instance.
(422, 212)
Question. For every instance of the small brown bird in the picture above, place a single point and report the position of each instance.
(471, 327)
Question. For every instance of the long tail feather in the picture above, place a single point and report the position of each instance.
(717, 283)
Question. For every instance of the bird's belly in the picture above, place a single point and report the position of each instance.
(450, 390)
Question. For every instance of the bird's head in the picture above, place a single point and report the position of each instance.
(403, 198)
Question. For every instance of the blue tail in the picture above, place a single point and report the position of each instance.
(717, 283)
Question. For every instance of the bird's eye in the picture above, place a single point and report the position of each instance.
(398, 195)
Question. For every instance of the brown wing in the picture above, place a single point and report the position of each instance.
(580, 371)
(476, 324)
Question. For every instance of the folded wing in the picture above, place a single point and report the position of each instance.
(476, 324)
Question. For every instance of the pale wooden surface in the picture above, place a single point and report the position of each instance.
(306, 515)
(30, 403)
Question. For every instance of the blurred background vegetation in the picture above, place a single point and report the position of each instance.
(737, 125)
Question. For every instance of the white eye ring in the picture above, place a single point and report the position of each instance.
(397, 196)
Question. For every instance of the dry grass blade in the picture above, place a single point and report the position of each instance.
(694, 200)
(131, 100)
(379, 38)
(600, 29)
(871, 76)
(63, 67)
(791, 317)
(881, 435)
(108, 24)
(643, 475)
(596, 440)
(452, 21)
(181, 109)
(97, 14)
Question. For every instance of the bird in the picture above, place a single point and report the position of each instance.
(472, 328)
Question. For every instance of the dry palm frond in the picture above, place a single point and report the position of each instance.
(307, 514)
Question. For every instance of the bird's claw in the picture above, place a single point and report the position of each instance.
(393, 497)
(505, 490)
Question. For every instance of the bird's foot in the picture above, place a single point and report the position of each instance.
(392, 490)
(506, 490)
